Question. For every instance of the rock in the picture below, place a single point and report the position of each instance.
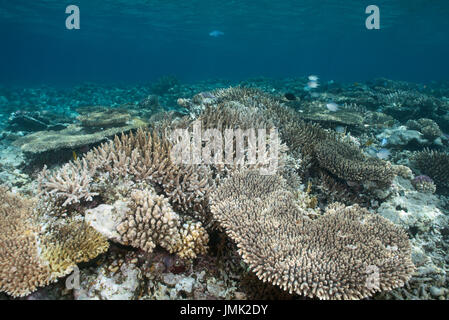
(122, 285)
(437, 292)
(185, 285)
(71, 138)
(410, 208)
(402, 136)
(105, 218)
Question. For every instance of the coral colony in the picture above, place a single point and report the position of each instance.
(281, 189)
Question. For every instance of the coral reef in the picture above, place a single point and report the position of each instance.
(422, 214)
(427, 127)
(326, 149)
(110, 193)
(71, 138)
(329, 257)
(140, 157)
(32, 256)
(346, 162)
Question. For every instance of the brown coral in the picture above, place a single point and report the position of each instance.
(435, 164)
(152, 221)
(348, 163)
(334, 256)
(427, 127)
(70, 184)
(22, 271)
(325, 148)
(140, 157)
(69, 244)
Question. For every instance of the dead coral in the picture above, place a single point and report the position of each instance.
(22, 271)
(348, 253)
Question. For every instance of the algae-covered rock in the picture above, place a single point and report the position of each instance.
(104, 118)
(71, 138)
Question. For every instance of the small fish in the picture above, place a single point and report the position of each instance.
(369, 142)
(289, 96)
(216, 33)
(313, 78)
(384, 142)
(75, 157)
(332, 106)
(383, 154)
(314, 94)
(312, 84)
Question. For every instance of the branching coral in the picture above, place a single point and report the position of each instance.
(331, 257)
(22, 271)
(70, 244)
(346, 162)
(427, 127)
(435, 164)
(325, 148)
(140, 157)
(152, 221)
(424, 183)
(70, 184)
(31, 257)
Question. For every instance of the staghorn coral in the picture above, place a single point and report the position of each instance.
(409, 104)
(330, 257)
(427, 127)
(152, 221)
(70, 184)
(70, 243)
(331, 189)
(22, 270)
(434, 164)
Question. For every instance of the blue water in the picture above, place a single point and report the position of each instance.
(127, 41)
